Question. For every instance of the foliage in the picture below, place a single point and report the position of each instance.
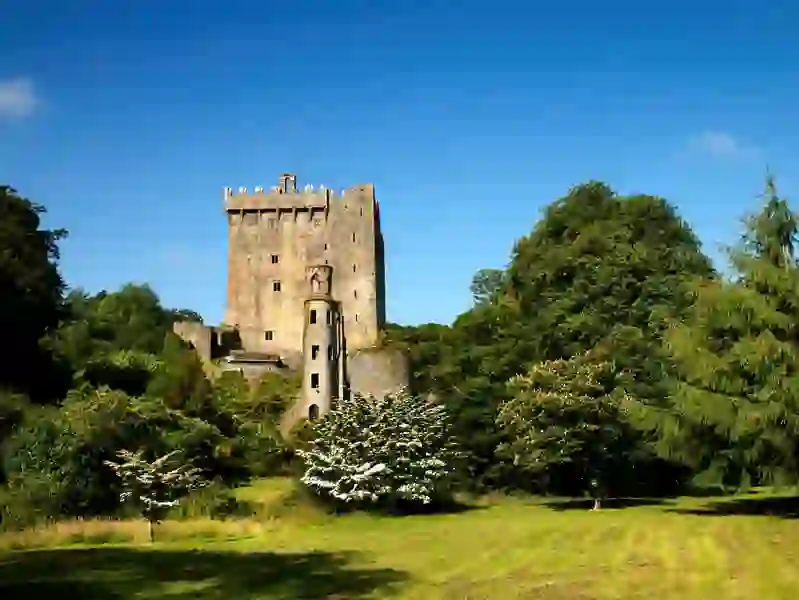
(56, 456)
(598, 272)
(487, 285)
(736, 402)
(155, 485)
(31, 297)
(568, 413)
(381, 452)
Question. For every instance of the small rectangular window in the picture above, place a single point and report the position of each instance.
(356, 317)
(325, 246)
(314, 352)
(315, 381)
(361, 211)
(275, 259)
(312, 318)
(329, 352)
(353, 236)
(268, 336)
(353, 268)
(354, 293)
(276, 286)
(329, 317)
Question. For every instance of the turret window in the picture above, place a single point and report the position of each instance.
(269, 336)
(315, 381)
(314, 352)
(312, 317)
(275, 286)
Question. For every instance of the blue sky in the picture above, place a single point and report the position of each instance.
(126, 118)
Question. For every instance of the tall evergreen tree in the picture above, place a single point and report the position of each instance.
(735, 416)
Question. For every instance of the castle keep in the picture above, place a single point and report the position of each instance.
(305, 292)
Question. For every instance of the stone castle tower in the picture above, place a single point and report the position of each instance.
(274, 235)
(305, 293)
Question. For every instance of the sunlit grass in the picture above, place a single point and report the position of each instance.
(504, 549)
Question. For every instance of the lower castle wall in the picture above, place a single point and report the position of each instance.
(377, 372)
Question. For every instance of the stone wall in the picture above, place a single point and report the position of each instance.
(377, 371)
(196, 334)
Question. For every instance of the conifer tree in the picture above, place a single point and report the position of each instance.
(735, 413)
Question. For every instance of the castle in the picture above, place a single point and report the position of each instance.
(305, 293)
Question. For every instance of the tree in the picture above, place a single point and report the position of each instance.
(31, 297)
(598, 272)
(569, 413)
(486, 285)
(381, 452)
(157, 485)
(735, 417)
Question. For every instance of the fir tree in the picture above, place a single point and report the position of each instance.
(735, 413)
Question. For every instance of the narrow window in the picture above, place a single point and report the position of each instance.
(353, 236)
(356, 317)
(313, 412)
(315, 381)
(353, 268)
(313, 317)
(268, 336)
(354, 293)
(362, 211)
(329, 317)
(314, 352)
(276, 286)
(330, 352)
(275, 259)
(325, 246)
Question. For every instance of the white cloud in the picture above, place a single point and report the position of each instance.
(17, 98)
(719, 143)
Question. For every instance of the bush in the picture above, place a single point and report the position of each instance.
(392, 452)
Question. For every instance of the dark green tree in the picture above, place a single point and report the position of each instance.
(31, 291)
(735, 417)
(598, 272)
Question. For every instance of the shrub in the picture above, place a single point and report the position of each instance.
(387, 452)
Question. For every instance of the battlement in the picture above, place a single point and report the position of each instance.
(286, 196)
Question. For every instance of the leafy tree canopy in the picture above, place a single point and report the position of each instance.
(30, 293)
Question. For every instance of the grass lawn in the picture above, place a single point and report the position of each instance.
(687, 549)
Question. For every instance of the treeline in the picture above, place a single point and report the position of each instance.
(85, 375)
(610, 353)
(608, 357)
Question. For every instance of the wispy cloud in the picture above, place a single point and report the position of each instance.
(721, 144)
(18, 98)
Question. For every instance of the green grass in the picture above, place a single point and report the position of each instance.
(504, 549)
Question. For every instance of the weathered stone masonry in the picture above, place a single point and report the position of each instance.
(305, 291)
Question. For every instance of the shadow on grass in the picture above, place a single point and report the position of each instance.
(608, 503)
(120, 573)
(786, 507)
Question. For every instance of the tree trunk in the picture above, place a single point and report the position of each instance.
(597, 504)
(152, 531)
